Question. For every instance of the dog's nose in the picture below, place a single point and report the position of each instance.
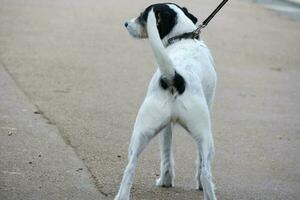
(126, 24)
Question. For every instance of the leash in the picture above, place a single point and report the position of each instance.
(207, 20)
(196, 33)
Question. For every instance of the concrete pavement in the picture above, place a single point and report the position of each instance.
(35, 161)
(76, 62)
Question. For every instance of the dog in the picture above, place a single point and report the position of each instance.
(181, 92)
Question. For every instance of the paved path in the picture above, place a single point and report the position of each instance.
(76, 62)
(35, 161)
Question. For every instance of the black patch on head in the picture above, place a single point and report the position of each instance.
(166, 18)
(177, 84)
(187, 13)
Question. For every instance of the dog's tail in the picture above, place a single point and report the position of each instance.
(164, 62)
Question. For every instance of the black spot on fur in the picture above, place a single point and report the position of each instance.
(177, 84)
(164, 83)
(187, 13)
(165, 16)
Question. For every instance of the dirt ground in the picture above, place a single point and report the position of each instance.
(76, 62)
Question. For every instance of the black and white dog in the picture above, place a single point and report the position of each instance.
(181, 91)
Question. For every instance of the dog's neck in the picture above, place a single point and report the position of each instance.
(189, 35)
(183, 25)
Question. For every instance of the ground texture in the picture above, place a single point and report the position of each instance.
(77, 64)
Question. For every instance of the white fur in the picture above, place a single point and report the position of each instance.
(164, 62)
(160, 109)
(135, 29)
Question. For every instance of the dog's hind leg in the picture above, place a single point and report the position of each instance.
(152, 118)
(207, 153)
(198, 170)
(205, 147)
(196, 119)
(167, 162)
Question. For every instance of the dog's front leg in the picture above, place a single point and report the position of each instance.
(167, 162)
(152, 118)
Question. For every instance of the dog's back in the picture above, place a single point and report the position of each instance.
(193, 61)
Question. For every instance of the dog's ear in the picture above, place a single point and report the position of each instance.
(189, 15)
(165, 20)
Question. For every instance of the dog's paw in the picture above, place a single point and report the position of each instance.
(165, 180)
(199, 185)
(121, 198)
(198, 181)
(163, 183)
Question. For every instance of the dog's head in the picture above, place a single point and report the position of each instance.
(171, 20)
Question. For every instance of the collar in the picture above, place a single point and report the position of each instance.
(188, 35)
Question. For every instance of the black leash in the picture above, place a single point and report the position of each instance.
(196, 33)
